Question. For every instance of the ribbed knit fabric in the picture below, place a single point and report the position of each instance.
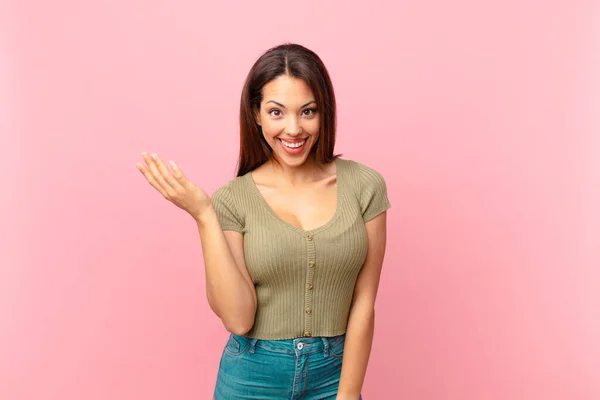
(304, 279)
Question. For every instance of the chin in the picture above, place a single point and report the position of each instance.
(290, 161)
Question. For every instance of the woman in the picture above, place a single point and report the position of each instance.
(294, 245)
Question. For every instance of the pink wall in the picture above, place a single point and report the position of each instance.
(482, 115)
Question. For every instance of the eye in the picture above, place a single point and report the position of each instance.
(309, 112)
(274, 112)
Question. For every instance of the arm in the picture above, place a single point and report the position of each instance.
(229, 288)
(361, 322)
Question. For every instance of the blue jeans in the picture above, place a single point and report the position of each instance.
(293, 369)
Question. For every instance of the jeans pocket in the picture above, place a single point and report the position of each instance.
(236, 345)
(336, 346)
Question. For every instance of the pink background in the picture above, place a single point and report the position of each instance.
(482, 115)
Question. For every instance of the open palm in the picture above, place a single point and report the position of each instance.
(174, 185)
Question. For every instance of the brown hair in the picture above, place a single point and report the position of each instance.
(298, 62)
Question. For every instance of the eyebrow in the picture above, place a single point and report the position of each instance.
(282, 106)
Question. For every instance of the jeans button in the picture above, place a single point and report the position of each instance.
(300, 346)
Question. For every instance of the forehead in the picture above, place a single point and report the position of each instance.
(287, 90)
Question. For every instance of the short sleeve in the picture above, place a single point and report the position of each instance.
(373, 193)
(226, 210)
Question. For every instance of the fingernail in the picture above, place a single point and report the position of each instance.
(144, 154)
(154, 156)
(138, 165)
(173, 164)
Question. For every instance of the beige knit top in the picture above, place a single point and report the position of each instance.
(304, 280)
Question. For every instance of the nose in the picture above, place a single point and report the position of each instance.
(293, 127)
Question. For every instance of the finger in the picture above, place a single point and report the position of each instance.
(179, 175)
(157, 175)
(150, 178)
(166, 174)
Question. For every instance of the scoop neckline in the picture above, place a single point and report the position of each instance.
(313, 231)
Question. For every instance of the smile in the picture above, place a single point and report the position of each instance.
(292, 145)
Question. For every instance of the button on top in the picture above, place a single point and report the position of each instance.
(308, 310)
(309, 237)
(311, 262)
(307, 333)
(309, 286)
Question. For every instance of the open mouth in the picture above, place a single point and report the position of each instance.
(294, 147)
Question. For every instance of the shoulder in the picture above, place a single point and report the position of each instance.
(370, 188)
(231, 195)
(364, 176)
(232, 188)
(228, 203)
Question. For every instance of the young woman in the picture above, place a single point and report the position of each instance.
(294, 245)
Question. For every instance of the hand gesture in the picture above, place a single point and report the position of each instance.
(174, 186)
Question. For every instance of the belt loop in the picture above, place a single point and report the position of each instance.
(253, 345)
(325, 346)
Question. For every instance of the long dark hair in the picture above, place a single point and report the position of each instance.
(299, 62)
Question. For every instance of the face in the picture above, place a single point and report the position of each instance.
(289, 119)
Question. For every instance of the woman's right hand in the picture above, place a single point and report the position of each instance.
(175, 186)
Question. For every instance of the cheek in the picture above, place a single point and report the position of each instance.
(269, 130)
(312, 126)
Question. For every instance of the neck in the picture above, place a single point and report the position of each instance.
(293, 176)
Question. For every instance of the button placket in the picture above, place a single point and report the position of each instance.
(308, 292)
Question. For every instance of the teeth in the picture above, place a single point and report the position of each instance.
(292, 145)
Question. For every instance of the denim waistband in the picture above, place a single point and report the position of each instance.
(303, 345)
